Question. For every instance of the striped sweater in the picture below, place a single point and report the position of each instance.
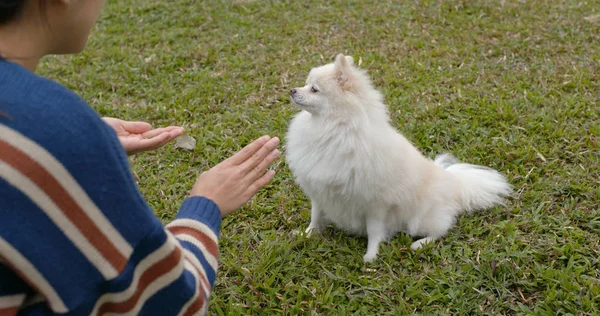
(76, 236)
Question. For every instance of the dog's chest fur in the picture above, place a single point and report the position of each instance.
(335, 170)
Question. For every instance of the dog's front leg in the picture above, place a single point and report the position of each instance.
(316, 219)
(376, 234)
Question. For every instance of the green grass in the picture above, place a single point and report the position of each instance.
(509, 84)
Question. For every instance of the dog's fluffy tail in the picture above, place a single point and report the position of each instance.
(482, 187)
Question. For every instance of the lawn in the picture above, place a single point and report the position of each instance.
(514, 85)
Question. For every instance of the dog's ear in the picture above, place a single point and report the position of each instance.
(350, 60)
(342, 68)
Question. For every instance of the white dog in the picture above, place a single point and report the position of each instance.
(364, 176)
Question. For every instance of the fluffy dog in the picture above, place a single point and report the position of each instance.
(364, 176)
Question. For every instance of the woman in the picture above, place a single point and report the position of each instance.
(76, 236)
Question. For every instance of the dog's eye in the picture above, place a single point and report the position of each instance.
(314, 90)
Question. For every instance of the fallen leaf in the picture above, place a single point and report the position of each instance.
(186, 142)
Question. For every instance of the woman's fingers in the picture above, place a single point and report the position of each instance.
(260, 169)
(252, 163)
(135, 127)
(158, 131)
(247, 151)
(260, 182)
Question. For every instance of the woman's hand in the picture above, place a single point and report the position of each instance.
(232, 183)
(136, 137)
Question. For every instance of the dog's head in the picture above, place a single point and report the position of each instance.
(338, 87)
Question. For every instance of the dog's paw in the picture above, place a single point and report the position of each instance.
(312, 229)
(420, 243)
(369, 257)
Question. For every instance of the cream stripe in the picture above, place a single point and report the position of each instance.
(204, 310)
(42, 200)
(154, 257)
(11, 300)
(196, 225)
(156, 285)
(58, 171)
(191, 257)
(17, 260)
(214, 263)
(190, 268)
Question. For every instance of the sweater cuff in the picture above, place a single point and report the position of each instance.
(203, 210)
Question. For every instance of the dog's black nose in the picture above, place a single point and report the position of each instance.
(293, 91)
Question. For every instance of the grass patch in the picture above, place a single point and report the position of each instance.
(509, 84)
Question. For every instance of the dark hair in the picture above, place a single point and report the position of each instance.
(10, 9)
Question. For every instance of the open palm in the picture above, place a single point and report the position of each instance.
(136, 137)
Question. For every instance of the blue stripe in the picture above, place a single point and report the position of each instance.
(210, 273)
(37, 238)
(150, 244)
(171, 299)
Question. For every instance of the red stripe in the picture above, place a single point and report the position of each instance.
(197, 305)
(159, 269)
(9, 311)
(206, 284)
(46, 182)
(199, 301)
(204, 280)
(210, 245)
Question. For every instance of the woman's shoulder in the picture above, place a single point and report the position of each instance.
(51, 115)
(23, 88)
